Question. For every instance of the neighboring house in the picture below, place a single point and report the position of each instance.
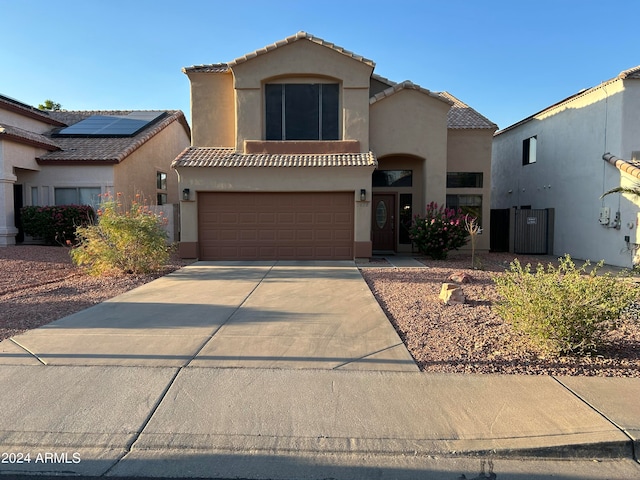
(65, 157)
(565, 157)
(299, 152)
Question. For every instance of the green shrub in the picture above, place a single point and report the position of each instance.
(55, 224)
(130, 240)
(565, 310)
(439, 231)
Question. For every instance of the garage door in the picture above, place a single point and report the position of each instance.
(275, 226)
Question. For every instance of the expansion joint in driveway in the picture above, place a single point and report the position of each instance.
(133, 441)
(13, 340)
(634, 452)
(235, 310)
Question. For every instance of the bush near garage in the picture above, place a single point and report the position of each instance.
(564, 309)
(129, 239)
(55, 224)
(439, 231)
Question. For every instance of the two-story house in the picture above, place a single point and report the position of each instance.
(299, 151)
(565, 157)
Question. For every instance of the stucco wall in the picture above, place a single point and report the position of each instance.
(469, 150)
(137, 173)
(50, 177)
(569, 174)
(412, 123)
(27, 123)
(212, 109)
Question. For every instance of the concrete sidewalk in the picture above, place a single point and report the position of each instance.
(282, 370)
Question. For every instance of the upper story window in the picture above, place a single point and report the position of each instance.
(529, 150)
(302, 111)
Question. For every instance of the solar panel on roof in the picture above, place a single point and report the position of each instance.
(111, 125)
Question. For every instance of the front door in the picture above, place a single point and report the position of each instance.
(383, 220)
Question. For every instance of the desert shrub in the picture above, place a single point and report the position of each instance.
(129, 239)
(564, 309)
(439, 231)
(55, 224)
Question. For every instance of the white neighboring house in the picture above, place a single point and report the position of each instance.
(565, 157)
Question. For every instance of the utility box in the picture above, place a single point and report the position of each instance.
(605, 215)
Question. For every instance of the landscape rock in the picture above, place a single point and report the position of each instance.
(459, 277)
(451, 294)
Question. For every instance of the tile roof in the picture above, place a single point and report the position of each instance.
(25, 136)
(406, 85)
(228, 157)
(628, 166)
(27, 110)
(100, 149)
(462, 116)
(631, 73)
(224, 67)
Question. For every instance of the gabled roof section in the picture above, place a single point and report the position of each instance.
(14, 105)
(225, 67)
(462, 116)
(104, 150)
(630, 74)
(628, 166)
(228, 157)
(406, 85)
(26, 137)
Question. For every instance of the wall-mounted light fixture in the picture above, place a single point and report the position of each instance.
(185, 194)
(363, 194)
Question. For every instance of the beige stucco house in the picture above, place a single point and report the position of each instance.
(300, 151)
(64, 157)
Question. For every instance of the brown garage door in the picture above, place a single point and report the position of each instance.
(275, 226)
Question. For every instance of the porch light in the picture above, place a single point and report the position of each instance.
(185, 194)
(363, 195)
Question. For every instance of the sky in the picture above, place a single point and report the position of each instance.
(507, 59)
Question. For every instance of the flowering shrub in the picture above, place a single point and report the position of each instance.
(565, 310)
(131, 240)
(439, 231)
(55, 224)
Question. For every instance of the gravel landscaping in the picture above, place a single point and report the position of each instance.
(471, 338)
(39, 285)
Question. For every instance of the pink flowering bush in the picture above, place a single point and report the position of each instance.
(130, 239)
(55, 224)
(439, 231)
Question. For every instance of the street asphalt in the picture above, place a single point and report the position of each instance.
(285, 370)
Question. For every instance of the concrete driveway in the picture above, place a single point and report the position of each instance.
(318, 315)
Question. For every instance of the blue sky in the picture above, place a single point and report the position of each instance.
(505, 58)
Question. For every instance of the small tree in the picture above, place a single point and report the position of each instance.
(50, 105)
(473, 229)
(131, 240)
(439, 231)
